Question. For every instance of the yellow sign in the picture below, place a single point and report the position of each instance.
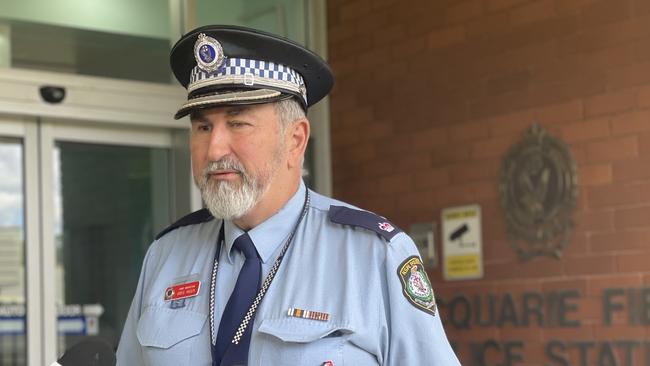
(462, 266)
(462, 246)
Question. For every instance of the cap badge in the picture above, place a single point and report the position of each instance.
(208, 53)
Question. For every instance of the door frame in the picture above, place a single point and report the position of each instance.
(25, 129)
(51, 132)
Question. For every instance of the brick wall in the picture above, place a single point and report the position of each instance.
(429, 97)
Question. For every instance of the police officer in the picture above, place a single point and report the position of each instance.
(272, 273)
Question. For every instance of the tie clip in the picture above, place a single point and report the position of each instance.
(308, 314)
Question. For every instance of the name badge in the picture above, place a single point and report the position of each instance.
(182, 291)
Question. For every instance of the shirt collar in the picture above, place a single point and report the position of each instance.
(271, 233)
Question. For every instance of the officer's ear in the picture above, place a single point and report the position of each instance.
(297, 137)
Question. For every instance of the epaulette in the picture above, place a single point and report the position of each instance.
(368, 220)
(195, 217)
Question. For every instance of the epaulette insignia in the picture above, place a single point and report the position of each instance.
(195, 217)
(349, 216)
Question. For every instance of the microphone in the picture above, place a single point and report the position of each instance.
(92, 351)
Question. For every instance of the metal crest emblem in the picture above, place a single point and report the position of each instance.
(539, 189)
(208, 53)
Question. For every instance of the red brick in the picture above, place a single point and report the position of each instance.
(497, 5)
(641, 50)
(444, 155)
(632, 170)
(572, 7)
(353, 10)
(636, 262)
(468, 131)
(636, 217)
(430, 138)
(513, 81)
(610, 103)
(643, 97)
(362, 152)
(613, 149)
(644, 144)
(483, 170)
(594, 221)
(613, 196)
(445, 37)
(644, 189)
(562, 284)
(486, 25)
(587, 130)
(493, 148)
(533, 12)
(415, 201)
(595, 38)
(379, 130)
(512, 123)
(605, 11)
(632, 75)
(579, 154)
(395, 184)
(595, 174)
(611, 57)
(537, 268)
(583, 332)
(463, 11)
(485, 191)
(620, 240)
(641, 7)
(575, 84)
(631, 122)
(431, 178)
(577, 245)
(622, 331)
(593, 264)
(453, 195)
(564, 112)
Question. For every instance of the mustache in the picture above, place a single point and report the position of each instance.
(227, 163)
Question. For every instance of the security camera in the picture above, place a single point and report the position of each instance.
(52, 94)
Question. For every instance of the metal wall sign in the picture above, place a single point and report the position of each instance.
(462, 247)
(423, 235)
(539, 188)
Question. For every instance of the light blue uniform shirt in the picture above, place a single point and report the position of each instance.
(348, 272)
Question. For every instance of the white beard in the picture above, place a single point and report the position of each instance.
(226, 200)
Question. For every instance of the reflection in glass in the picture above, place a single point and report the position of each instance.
(110, 202)
(87, 52)
(12, 255)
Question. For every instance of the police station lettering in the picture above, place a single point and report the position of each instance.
(627, 307)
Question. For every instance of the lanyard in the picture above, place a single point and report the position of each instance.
(265, 285)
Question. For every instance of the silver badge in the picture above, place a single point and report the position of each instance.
(539, 189)
(208, 53)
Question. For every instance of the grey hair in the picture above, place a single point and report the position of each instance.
(289, 111)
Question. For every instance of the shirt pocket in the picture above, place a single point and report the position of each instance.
(300, 342)
(167, 335)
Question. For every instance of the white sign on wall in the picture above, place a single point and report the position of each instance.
(462, 246)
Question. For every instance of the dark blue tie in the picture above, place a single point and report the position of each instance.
(226, 353)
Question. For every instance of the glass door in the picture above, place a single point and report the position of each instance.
(79, 205)
(13, 345)
(19, 316)
(106, 193)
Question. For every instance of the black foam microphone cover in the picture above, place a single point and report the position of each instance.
(92, 351)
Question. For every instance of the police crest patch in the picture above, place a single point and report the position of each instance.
(416, 286)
